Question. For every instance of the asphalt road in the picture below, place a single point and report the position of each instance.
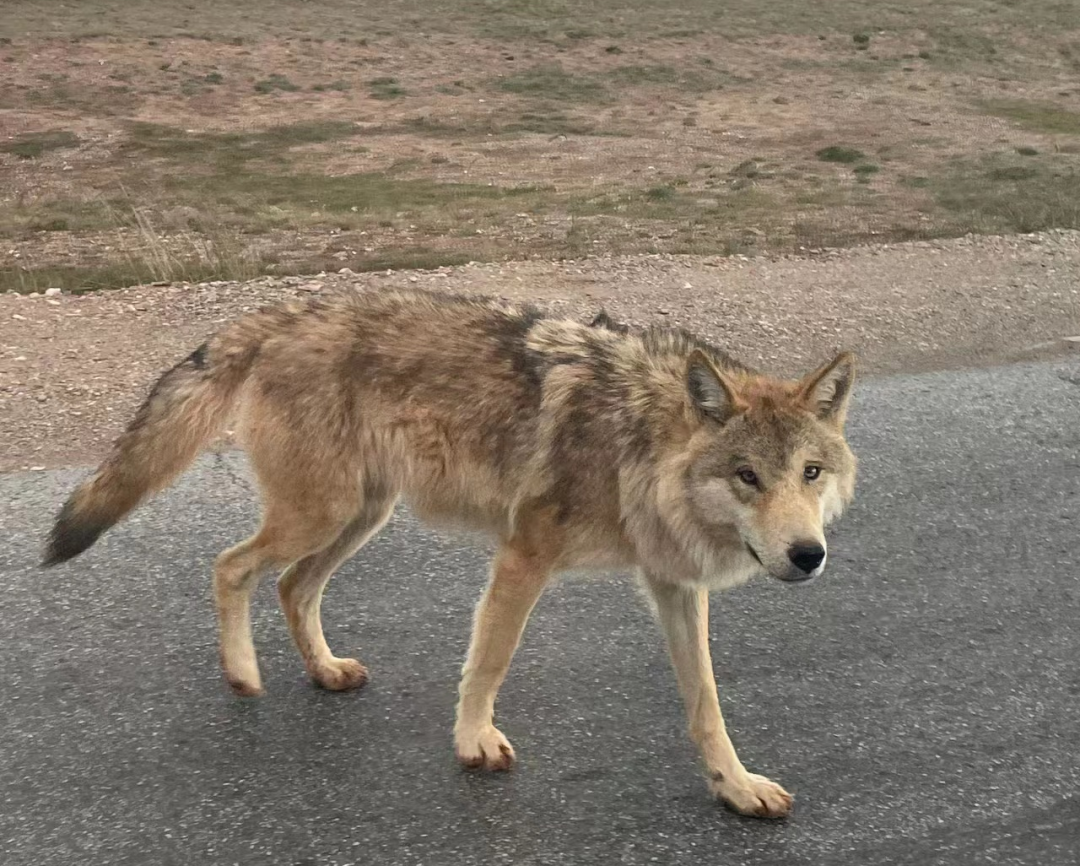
(922, 699)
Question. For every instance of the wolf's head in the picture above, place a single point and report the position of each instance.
(769, 457)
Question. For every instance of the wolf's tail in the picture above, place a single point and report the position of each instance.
(185, 409)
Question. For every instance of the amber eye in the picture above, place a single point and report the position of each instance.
(748, 476)
(811, 472)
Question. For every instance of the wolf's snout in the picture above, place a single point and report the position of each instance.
(806, 557)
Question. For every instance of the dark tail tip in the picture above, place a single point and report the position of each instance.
(70, 536)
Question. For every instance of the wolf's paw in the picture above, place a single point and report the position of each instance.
(753, 795)
(484, 749)
(244, 688)
(337, 675)
(244, 681)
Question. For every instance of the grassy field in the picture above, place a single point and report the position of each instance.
(142, 141)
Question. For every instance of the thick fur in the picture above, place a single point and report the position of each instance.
(574, 446)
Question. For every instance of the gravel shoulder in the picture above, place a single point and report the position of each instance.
(73, 368)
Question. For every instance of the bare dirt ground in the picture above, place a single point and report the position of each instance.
(73, 368)
(142, 141)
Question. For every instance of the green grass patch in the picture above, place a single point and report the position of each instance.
(679, 205)
(127, 271)
(1012, 172)
(553, 82)
(365, 193)
(653, 73)
(252, 196)
(542, 121)
(34, 144)
(699, 78)
(965, 42)
(1034, 115)
(78, 279)
(50, 224)
(553, 123)
(232, 148)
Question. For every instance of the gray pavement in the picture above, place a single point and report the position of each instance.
(922, 699)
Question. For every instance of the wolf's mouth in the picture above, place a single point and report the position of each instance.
(753, 553)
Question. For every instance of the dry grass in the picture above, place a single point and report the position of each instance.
(357, 134)
(143, 253)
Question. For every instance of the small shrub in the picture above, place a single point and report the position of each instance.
(275, 82)
(385, 87)
(864, 172)
(836, 153)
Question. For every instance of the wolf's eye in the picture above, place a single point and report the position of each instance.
(811, 472)
(748, 476)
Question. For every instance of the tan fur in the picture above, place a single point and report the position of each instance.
(574, 446)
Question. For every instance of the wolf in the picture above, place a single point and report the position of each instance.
(573, 446)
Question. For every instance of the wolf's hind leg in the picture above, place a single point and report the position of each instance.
(286, 535)
(301, 587)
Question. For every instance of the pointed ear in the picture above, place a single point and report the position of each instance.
(826, 391)
(711, 391)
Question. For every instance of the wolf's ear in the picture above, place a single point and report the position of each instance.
(603, 320)
(711, 391)
(826, 391)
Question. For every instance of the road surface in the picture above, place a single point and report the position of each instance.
(921, 699)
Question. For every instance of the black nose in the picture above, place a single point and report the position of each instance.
(806, 557)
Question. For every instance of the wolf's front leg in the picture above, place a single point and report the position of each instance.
(684, 617)
(517, 579)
